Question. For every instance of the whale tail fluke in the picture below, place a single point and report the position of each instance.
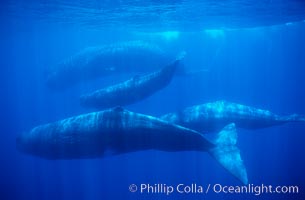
(182, 71)
(180, 59)
(227, 154)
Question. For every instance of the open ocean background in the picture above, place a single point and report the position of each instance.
(253, 53)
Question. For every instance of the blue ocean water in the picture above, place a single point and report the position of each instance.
(252, 52)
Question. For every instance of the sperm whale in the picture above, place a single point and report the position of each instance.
(211, 117)
(100, 61)
(132, 90)
(117, 131)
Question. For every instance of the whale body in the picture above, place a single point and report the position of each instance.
(116, 131)
(96, 62)
(211, 117)
(130, 91)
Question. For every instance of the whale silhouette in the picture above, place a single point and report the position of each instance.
(132, 90)
(211, 117)
(100, 61)
(117, 131)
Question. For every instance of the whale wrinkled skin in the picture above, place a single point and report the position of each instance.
(211, 117)
(117, 131)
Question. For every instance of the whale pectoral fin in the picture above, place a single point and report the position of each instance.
(227, 154)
